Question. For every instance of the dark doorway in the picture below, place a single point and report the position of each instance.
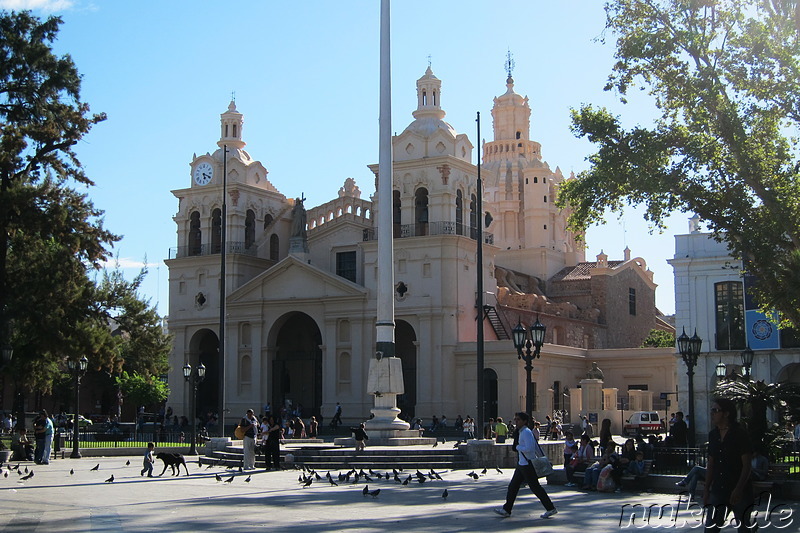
(490, 392)
(297, 367)
(204, 348)
(406, 350)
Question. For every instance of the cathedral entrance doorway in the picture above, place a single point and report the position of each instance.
(406, 350)
(297, 367)
(204, 348)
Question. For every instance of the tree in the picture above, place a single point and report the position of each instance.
(724, 77)
(659, 339)
(42, 117)
(141, 390)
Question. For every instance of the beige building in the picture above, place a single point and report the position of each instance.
(301, 292)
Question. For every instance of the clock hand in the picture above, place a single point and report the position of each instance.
(206, 176)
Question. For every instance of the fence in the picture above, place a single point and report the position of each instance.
(125, 439)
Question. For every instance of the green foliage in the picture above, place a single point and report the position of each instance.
(754, 398)
(52, 239)
(659, 339)
(142, 390)
(725, 78)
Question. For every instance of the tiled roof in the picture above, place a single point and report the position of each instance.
(580, 271)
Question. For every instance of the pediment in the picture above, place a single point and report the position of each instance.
(292, 279)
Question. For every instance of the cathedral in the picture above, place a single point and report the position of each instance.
(300, 281)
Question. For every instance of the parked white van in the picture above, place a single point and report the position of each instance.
(642, 423)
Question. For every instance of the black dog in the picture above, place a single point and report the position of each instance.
(174, 460)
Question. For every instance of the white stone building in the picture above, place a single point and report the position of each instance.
(300, 317)
(709, 297)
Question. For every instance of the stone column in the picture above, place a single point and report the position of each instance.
(592, 395)
(385, 382)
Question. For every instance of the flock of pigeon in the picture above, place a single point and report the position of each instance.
(307, 477)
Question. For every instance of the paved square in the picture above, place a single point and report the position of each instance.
(55, 501)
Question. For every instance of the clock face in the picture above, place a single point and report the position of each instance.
(203, 173)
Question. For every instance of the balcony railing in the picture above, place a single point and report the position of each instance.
(212, 249)
(431, 228)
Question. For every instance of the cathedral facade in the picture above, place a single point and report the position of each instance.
(301, 282)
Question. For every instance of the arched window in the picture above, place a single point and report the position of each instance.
(245, 370)
(473, 217)
(216, 231)
(519, 134)
(274, 253)
(267, 221)
(195, 234)
(234, 130)
(424, 98)
(226, 130)
(396, 213)
(249, 229)
(421, 211)
(459, 213)
(435, 99)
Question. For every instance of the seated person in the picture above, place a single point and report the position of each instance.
(21, 446)
(580, 460)
(759, 465)
(636, 467)
(592, 475)
(695, 475)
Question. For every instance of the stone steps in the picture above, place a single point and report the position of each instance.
(337, 458)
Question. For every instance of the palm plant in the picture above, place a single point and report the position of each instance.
(754, 398)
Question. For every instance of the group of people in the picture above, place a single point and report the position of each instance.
(603, 470)
(269, 433)
(37, 449)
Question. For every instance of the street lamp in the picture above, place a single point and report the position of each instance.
(78, 369)
(689, 349)
(535, 341)
(196, 378)
(720, 370)
(747, 360)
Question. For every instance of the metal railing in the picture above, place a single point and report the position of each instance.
(432, 228)
(212, 249)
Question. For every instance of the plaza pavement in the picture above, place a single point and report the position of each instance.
(55, 501)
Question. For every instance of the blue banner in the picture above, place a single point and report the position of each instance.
(762, 329)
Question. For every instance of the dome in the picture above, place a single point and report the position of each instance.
(427, 126)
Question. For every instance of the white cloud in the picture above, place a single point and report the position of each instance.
(49, 6)
(124, 262)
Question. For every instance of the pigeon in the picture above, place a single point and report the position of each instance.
(456, 444)
(209, 466)
(483, 473)
(110, 480)
(219, 478)
(422, 480)
(445, 494)
(96, 467)
(444, 440)
(317, 477)
(26, 469)
(375, 493)
(473, 475)
(407, 480)
(365, 491)
(308, 482)
(5, 474)
(498, 470)
(248, 479)
(27, 476)
(435, 444)
(128, 462)
(397, 479)
(387, 476)
(332, 482)
(230, 479)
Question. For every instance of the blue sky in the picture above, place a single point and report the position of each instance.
(306, 80)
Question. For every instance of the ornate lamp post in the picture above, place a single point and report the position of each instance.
(532, 347)
(689, 349)
(78, 369)
(196, 378)
(747, 361)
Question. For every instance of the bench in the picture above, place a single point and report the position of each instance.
(626, 478)
(776, 476)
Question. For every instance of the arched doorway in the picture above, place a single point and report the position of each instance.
(490, 392)
(406, 350)
(297, 367)
(204, 348)
(790, 373)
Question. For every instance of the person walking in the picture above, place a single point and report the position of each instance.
(148, 460)
(250, 423)
(360, 436)
(728, 487)
(526, 447)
